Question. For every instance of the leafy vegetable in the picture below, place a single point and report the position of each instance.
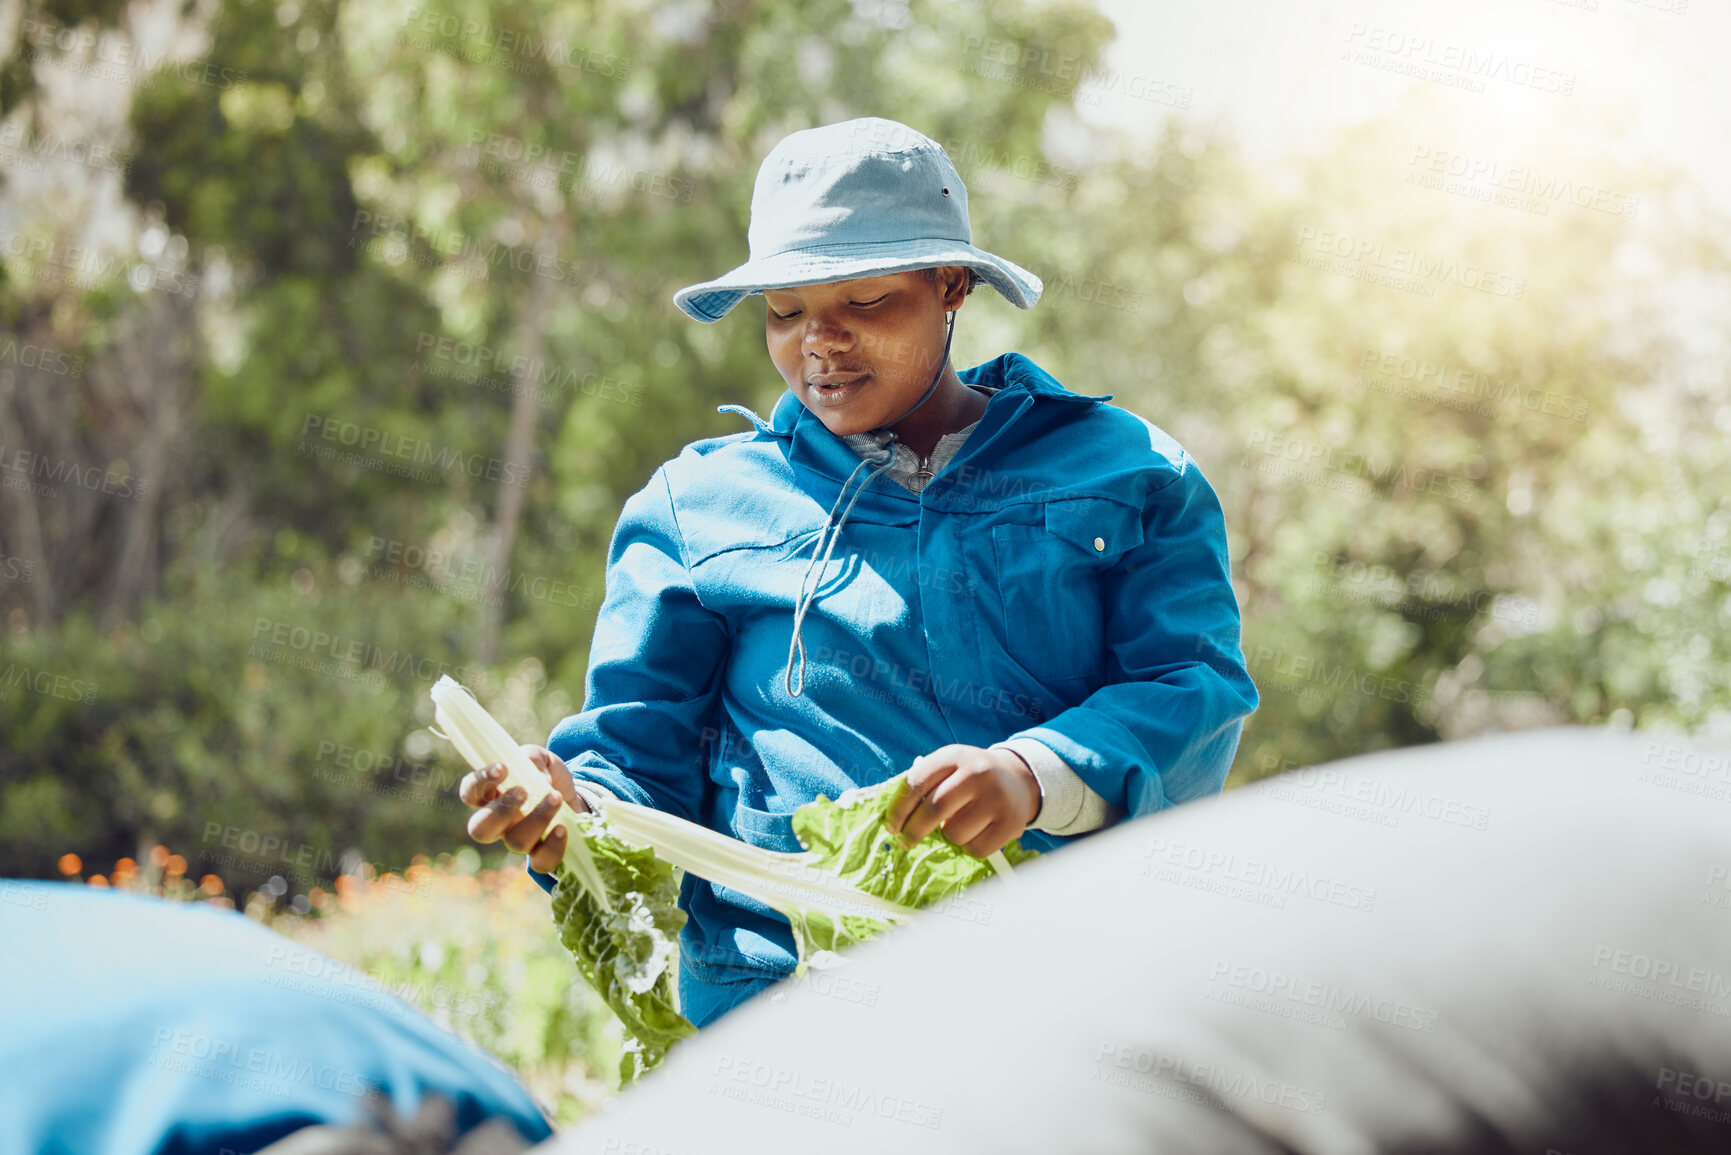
(825, 910)
(847, 837)
(616, 898)
(616, 903)
(625, 948)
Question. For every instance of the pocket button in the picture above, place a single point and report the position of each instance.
(1099, 545)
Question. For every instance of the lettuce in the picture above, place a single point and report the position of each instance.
(615, 898)
(615, 902)
(622, 935)
(847, 838)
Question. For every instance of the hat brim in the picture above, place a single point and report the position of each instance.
(712, 300)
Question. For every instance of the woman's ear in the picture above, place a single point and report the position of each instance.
(955, 287)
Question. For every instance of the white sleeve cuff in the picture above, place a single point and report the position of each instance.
(1067, 804)
(593, 794)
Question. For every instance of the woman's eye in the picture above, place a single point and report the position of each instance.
(784, 316)
(862, 304)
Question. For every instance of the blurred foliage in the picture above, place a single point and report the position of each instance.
(394, 201)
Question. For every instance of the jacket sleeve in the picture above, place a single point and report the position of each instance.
(655, 667)
(1166, 726)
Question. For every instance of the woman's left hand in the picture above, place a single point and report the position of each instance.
(980, 798)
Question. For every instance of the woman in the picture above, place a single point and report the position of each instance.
(1034, 620)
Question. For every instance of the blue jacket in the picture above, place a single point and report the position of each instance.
(1064, 578)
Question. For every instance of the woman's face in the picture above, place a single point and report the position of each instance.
(859, 353)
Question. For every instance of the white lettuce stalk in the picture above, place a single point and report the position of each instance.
(481, 741)
(853, 881)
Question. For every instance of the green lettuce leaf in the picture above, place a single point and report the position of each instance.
(847, 837)
(626, 953)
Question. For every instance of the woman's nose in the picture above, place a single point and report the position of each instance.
(825, 337)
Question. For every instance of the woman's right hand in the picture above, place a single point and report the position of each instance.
(496, 814)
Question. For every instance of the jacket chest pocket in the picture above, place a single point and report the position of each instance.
(1053, 617)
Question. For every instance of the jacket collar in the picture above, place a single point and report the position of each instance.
(1011, 374)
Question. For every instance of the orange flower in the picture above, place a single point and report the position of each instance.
(158, 855)
(70, 864)
(98, 881)
(175, 864)
(211, 885)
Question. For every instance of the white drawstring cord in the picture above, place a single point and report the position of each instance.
(819, 558)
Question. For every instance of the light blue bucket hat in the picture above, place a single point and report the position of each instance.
(862, 198)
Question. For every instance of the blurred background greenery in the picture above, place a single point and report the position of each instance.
(335, 334)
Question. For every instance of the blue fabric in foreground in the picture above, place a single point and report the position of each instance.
(141, 1027)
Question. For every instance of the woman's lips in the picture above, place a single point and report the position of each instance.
(836, 388)
(835, 380)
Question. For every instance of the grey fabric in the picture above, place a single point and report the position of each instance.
(1514, 944)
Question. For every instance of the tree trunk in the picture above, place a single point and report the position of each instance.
(519, 447)
(23, 524)
(151, 384)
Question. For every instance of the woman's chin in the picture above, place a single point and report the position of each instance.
(844, 422)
